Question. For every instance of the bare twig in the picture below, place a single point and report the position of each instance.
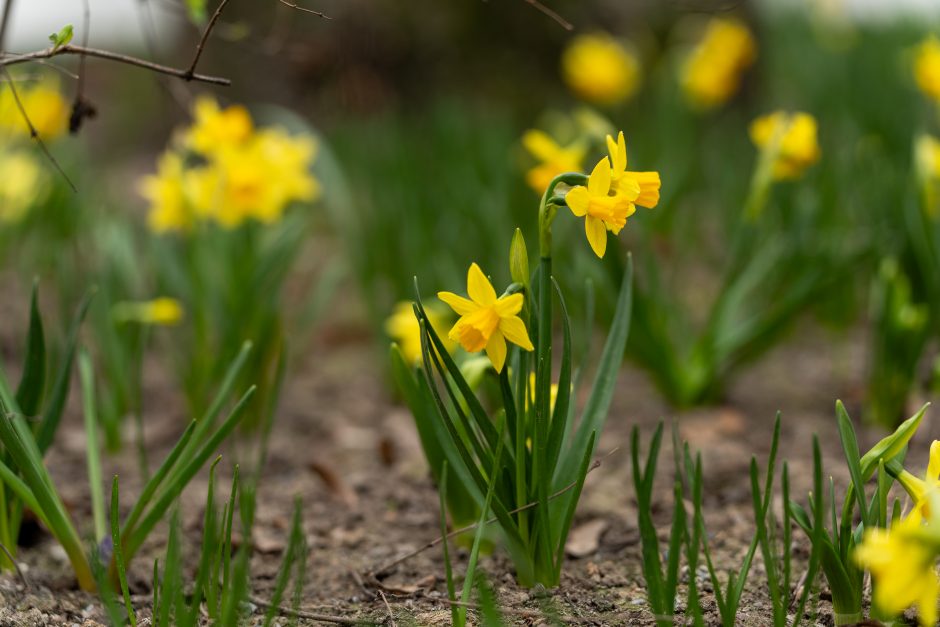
(388, 607)
(538, 6)
(377, 572)
(48, 53)
(81, 108)
(33, 133)
(25, 581)
(304, 9)
(325, 618)
(191, 72)
(5, 22)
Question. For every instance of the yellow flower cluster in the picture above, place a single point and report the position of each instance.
(902, 560)
(47, 109)
(23, 182)
(599, 69)
(927, 67)
(712, 72)
(611, 195)
(242, 173)
(793, 136)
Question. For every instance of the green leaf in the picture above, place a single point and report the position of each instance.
(29, 393)
(62, 38)
(196, 9)
(852, 456)
(118, 556)
(892, 445)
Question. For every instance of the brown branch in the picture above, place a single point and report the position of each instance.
(48, 53)
(324, 618)
(538, 6)
(377, 572)
(33, 133)
(191, 72)
(305, 10)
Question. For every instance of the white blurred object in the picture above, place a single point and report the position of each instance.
(866, 10)
(115, 24)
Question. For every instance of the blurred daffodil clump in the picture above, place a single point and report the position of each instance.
(600, 70)
(224, 170)
(792, 138)
(712, 72)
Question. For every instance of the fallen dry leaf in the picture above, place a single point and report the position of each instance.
(586, 538)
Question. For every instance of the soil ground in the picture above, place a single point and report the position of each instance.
(350, 452)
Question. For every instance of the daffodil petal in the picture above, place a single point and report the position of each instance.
(596, 235)
(933, 467)
(649, 188)
(479, 287)
(618, 152)
(514, 330)
(540, 145)
(509, 305)
(578, 198)
(496, 350)
(599, 181)
(461, 305)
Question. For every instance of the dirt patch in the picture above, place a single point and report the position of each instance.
(350, 452)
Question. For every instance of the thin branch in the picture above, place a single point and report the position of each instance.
(538, 6)
(391, 615)
(375, 573)
(33, 133)
(324, 618)
(306, 10)
(48, 53)
(5, 22)
(190, 73)
(22, 575)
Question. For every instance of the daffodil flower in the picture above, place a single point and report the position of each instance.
(602, 210)
(403, 327)
(794, 135)
(623, 180)
(554, 158)
(159, 311)
(599, 69)
(921, 491)
(486, 322)
(927, 67)
(902, 564)
(712, 72)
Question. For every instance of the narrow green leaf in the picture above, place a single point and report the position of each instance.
(92, 450)
(118, 556)
(852, 457)
(32, 384)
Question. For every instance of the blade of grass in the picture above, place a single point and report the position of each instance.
(32, 382)
(118, 557)
(92, 450)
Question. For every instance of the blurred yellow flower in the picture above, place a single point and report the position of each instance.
(159, 311)
(927, 161)
(927, 67)
(603, 207)
(47, 110)
(554, 159)
(21, 184)
(552, 393)
(923, 490)
(486, 322)
(599, 69)
(246, 174)
(624, 181)
(793, 138)
(402, 326)
(712, 72)
(902, 565)
(215, 129)
(169, 210)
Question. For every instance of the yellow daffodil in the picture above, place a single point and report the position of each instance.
(792, 136)
(603, 208)
(215, 129)
(927, 67)
(486, 322)
(902, 565)
(624, 181)
(47, 110)
(927, 161)
(554, 159)
(403, 328)
(168, 206)
(159, 311)
(599, 69)
(712, 72)
(21, 184)
(921, 490)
